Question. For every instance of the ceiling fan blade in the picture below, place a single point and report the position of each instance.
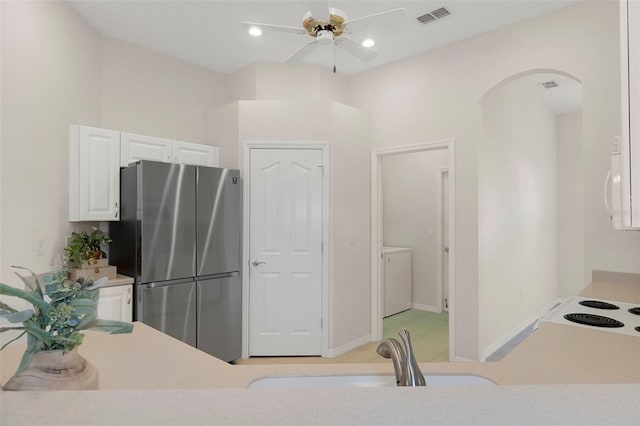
(356, 49)
(319, 9)
(378, 21)
(303, 51)
(274, 28)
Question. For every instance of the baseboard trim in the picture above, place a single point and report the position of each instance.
(462, 359)
(428, 308)
(514, 332)
(332, 353)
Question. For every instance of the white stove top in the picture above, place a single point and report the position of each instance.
(572, 305)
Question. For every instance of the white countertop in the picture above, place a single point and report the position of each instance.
(559, 375)
(499, 405)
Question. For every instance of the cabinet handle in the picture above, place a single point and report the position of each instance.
(128, 296)
(116, 215)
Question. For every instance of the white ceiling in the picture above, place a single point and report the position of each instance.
(209, 33)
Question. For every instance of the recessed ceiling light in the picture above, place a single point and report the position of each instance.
(368, 42)
(255, 31)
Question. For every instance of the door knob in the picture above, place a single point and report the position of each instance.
(446, 249)
(256, 262)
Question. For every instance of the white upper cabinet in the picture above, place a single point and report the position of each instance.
(94, 174)
(194, 154)
(630, 138)
(140, 147)
(96, 156)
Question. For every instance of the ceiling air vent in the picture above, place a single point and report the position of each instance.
(549, 84)
(433, 15)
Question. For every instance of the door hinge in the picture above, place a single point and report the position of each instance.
(321, 169)
(321, 246)
(321, 323)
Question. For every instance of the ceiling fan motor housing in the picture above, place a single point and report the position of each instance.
(324, 37)
(336, 25)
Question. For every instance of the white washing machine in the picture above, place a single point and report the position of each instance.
(397, 279)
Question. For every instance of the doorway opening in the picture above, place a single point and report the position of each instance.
(531, 203)
(425, 235)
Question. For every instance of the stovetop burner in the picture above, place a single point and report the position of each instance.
(635, 311)
(594, 320)
(598, 304)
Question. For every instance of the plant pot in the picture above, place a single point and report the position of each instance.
(55, 370)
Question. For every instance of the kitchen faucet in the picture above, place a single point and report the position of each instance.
(404, 361)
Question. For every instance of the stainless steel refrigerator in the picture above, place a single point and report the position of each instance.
(179, 236)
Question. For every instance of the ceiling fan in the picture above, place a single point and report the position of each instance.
(330, 26)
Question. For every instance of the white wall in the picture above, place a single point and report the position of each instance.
(517, 209)
(436, 95)
(57, 70)
(152, 94)
(570, 204)
(410, 215)
(346, 129)
(51, 70)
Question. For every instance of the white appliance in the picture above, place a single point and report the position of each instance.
(397, 279)
(606, 315)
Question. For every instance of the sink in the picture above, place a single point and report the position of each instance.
(364, 381)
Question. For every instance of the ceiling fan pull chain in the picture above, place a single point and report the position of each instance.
(334, 57)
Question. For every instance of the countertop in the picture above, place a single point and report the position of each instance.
(558, 374)
(118, 281)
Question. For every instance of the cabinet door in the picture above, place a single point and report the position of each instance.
(94, 174)
(140, 147)
(195, 154)
(115, 303)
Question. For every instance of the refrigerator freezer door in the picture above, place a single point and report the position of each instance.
(170, 308)
(166, 200)
(220, 317)
(219, 220)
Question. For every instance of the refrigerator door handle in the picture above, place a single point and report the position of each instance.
(166, 283)
(216, 276)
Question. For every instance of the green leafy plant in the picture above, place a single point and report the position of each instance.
(87, 247)
(59, 313)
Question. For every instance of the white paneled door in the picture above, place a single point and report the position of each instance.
(285, 237)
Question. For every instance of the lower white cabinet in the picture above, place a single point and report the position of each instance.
(397, 279)
(116, 303)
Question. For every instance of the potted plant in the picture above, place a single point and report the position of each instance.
(61, 310)
(86, 249)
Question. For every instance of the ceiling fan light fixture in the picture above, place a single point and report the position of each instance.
(368, 42)
(255, 31)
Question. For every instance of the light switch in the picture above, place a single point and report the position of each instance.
(353, 239)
